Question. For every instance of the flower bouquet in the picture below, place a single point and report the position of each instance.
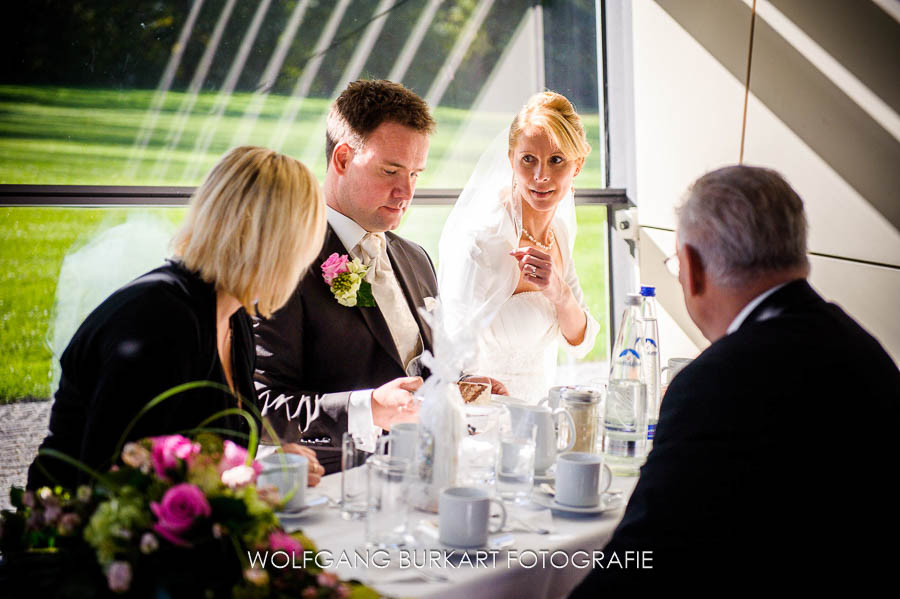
(346, 278)
(178, 518)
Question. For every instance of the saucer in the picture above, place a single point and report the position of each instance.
(496, 542)
(540, 479)
(547, 500)
(313, 501)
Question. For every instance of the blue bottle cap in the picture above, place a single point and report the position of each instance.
(648, 291)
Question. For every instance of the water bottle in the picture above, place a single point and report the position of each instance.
(650, 359)
(625, 413)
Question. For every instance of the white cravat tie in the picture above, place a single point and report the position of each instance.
(389, 297)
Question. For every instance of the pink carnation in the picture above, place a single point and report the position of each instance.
(233, 469)
(180, 507)
(239, 476)
(169, 449)
(281, 541)
(335, 265)
(234, 455)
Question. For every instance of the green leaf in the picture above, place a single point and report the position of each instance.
(15, 497)
(228, 508)
(364, 297)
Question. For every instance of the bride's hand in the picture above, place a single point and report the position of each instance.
(537, 266)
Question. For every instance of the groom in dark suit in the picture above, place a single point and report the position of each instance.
(324, 367)
(773, 453)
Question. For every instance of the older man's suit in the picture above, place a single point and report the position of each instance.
(773, 462)
(314, 346)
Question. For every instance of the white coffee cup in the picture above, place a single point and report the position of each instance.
(464, 514)
(578, 477)
(546, 442)
(286, 472)
(403, 439)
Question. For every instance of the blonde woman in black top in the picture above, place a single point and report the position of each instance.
(253, 226)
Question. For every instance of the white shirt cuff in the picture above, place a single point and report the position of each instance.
(359, 420)
(264, 451)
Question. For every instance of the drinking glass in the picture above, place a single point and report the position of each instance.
(353, 479)
(386, 499)
(478, 450)
(515, 460)
(625, 427)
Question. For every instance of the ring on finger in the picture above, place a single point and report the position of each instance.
(531, 269)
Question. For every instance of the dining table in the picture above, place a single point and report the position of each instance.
(539, 553)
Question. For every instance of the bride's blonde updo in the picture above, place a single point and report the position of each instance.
(553, 113)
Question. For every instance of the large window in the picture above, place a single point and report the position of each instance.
(152, 92)
(149, 93)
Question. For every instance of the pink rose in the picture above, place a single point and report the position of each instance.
(334, 266)
(327, 579)
(179, 509)
(118, 575)
(281, 541)
(169, 449)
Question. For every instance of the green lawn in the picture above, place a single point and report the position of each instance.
(74, 136)
(69, 136)
(34, 242)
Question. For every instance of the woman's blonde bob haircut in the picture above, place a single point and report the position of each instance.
(553, 113)
(254, 225)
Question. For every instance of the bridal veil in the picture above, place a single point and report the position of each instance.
(476, 274)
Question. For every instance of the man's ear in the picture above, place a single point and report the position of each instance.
(695, 271)
(341, 157)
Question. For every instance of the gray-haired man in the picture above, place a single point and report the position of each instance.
(772, 449)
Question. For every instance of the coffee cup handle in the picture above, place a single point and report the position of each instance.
(571, 429)
(502, 516)
(609, 477)
(662, 372)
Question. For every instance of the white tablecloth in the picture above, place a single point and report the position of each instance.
(508, 573)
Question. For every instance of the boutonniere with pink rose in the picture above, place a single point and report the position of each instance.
(347, 281)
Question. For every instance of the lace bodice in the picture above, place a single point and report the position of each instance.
(519, 348)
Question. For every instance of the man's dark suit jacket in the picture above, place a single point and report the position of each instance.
(771, 462)
(313, 346)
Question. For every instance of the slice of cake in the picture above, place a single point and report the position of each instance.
(475, 393)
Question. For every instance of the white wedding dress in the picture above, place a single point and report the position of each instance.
(521, 344)
(517, 335)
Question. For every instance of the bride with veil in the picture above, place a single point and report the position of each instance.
(506, 251)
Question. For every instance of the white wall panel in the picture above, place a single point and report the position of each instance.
(687, 113)
(841, 222)
(871, 294)
(688, 121)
